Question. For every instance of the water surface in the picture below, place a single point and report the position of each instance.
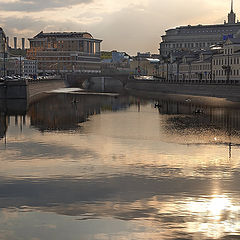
(77, 166)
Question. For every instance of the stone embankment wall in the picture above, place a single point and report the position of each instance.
(14, 90)
(220, 91)
(105, 84)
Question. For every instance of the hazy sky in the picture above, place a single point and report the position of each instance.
(124, 25)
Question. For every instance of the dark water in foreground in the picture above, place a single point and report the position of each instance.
(106, 167)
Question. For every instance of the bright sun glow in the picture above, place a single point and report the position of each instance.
(215, 216)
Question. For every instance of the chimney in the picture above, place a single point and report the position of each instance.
(23, 43)
(15, 42)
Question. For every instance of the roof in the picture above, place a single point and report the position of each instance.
(219, 29)
(234, 40)
(64, 35)
(200, 26)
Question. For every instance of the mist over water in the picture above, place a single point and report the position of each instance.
(75, 166)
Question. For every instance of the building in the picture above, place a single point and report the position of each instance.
(10, 66)
(29, 68)
(220, 65)
(3, 44)
(145, 64)
(196, 68)
(65, 52)
(144, 55)
(200, 37)
(115, 61)
(226, 66)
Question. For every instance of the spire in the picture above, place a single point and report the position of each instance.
(231, 15)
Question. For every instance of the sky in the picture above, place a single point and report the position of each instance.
(124, 25)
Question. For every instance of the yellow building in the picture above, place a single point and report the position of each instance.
(65, 52)
(145, 66)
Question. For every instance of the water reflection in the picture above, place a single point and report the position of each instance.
(67, 111)
(8, 108)
(125, 172)
(201, 124)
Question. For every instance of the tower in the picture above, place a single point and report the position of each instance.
(15, 42)
(231, 15)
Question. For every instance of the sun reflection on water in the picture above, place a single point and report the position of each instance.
(214, 217)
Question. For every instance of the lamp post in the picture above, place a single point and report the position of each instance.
(20, 67)
(4, 60)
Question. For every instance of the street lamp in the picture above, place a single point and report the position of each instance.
(228, 71)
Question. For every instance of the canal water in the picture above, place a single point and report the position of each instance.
(98, 167)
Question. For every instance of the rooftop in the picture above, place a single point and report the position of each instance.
(64, 35)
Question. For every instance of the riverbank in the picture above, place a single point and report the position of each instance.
(229, 92)
(39, 89)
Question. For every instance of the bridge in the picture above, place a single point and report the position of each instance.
(77, 79)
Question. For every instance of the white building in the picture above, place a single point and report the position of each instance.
(226, 66)
(200, 36)
(29, 67)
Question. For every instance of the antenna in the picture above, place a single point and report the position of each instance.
(232, 6)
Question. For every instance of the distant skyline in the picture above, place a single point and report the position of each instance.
(126, 25)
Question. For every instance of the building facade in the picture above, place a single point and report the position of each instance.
(196, 70)
(29, 68)
(115, 61)
(218, 66)
(200, 37)
(65, 52)
(3, 44)
(226, 66)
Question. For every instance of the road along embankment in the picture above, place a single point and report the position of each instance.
(37, 89)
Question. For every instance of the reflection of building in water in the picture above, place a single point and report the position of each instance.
(6, 121)
(200, 124)
(12, 112)
(67, 111)
(220, 117)
(3, 125)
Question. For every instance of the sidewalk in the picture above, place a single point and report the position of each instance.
(41, 87)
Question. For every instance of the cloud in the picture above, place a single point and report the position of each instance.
(25, 151)
(129, 25)
(36, 5)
